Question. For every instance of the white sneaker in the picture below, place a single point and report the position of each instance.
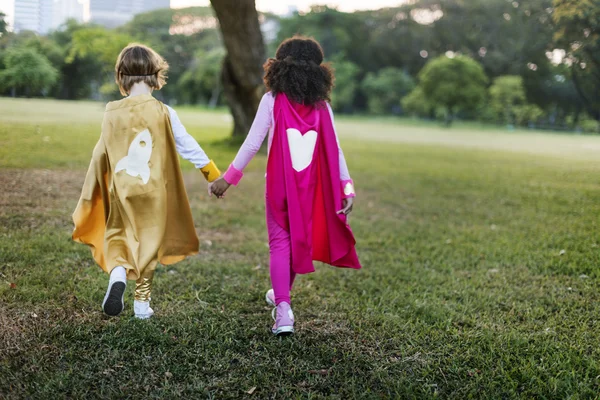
(142, 309)
(113, 299)
(270, 297)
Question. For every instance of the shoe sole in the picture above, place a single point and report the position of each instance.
(144, 316)
(284, 331)
(113, 302)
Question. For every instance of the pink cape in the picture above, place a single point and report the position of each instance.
(305, 202)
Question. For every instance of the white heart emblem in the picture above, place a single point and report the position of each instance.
(136, 161)
(302, 147)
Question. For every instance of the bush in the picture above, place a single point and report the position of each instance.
(527, 114)
(385, 89)
(28, 70)
(506, 94)
(589, 125)
(455, 84)
(416, 104)
(346, 85)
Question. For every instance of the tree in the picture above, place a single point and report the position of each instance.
(456, 84)
(79, 74)
(3, 24)
(416, 104)
(242, 67)
(527, 114)
(103, 45)
(337, 32)
(578, 32)
(201, 83)
(180, 36)
(385, 89)
(506, 94)
(346, 83)
(28, 70)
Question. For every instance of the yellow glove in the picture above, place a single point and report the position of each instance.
(211, 172)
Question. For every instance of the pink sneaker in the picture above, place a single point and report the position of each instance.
(284, 320)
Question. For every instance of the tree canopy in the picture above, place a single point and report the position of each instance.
(28, 71)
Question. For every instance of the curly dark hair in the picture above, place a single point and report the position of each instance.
(298, 71)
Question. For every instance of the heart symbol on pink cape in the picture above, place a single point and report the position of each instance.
(302, 147)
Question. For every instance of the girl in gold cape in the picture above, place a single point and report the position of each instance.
(134, 211)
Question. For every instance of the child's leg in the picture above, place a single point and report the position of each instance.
(143, 286)
(143, 291)
(282, 276)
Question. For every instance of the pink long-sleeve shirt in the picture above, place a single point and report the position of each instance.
(264, 123)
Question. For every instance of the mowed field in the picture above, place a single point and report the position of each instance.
(480, 251)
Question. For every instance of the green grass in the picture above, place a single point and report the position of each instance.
(480, 279)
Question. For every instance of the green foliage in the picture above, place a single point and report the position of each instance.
(201, 83)
(578, 32)
(416, 104)
(527, 114)
(337, 32)
(346, 83)
(80, 75)
(385, 89)
(3, 24)
(28, 71)
(505, 37)
(589, 125)
(456, 84)
(99, 43)
(506, 93)
(184, 37)
(104, 46)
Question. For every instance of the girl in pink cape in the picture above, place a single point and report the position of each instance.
(309, 192)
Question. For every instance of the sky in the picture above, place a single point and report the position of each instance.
(276, 6)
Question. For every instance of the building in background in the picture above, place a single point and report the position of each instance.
(65, 10)
(43, 16)
(32, 15)
(113, 13)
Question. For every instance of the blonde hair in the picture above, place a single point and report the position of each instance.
(139, 63)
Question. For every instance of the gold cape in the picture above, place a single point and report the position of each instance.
(125, 220)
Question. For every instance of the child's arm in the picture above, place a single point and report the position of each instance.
(346, 183)
(188, 148)
(256, 136)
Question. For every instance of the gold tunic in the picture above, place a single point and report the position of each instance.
(134, 210)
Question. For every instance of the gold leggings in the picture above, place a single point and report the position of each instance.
(143, 286)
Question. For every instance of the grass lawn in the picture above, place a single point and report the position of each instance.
(480, 279)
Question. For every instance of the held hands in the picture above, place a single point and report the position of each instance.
(218, 188)
(348, 205)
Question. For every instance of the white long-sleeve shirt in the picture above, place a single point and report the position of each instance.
(186, 145)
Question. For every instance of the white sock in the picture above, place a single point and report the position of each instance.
(118, 274)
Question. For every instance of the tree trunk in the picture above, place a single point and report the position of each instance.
(242, 67)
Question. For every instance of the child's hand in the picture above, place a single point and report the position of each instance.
(219, 187)
(348, 204)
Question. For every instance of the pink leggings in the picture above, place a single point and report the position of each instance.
(282, 275)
